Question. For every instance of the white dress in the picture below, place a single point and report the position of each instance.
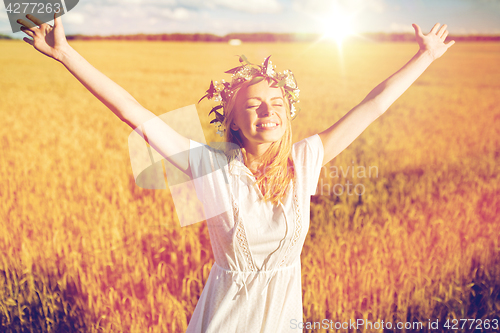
(255, 282)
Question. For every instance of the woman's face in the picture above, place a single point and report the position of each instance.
(260, 114)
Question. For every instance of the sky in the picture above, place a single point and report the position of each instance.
(220, 17)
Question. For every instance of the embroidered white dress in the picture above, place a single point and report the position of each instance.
(255, 282)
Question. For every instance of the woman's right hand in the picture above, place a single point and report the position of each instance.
(48, 40)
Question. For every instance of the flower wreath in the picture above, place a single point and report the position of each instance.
(222, 91)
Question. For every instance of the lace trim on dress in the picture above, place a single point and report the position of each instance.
(242, 238)
(298, 225)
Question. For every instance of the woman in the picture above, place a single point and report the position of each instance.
(255, 282)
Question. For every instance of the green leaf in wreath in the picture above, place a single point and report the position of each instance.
(243, 58)
(281, 83)
(256, 80)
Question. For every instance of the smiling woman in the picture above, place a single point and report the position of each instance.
(255, 282)
(258, 106)
(261, 116)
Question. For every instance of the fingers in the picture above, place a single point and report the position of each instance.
(29, 41)
(30, 25)
(27, 31)
(450, 43)
(27, 24)
(443, 37)
(442, 33)
(57, 19)
(34, 19)
(435, 28)
(31, 29)
(442, 30)
(418, 31)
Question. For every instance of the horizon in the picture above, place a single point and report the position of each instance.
(301, 37)
(337, 19)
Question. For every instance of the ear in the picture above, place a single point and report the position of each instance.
(234, 127)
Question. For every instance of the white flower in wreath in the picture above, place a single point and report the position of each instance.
(293, 111)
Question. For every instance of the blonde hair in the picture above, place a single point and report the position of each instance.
(277, 169)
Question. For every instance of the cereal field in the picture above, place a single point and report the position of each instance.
(82, 248)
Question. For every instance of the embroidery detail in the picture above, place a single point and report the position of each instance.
(242, 237)
(298, 224)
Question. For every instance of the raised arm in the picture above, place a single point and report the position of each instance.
(339, 136)
(52, 42)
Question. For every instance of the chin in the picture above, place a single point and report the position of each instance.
(271, 137)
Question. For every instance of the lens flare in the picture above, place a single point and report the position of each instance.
(337, 26)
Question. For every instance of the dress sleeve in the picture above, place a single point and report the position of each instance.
(308, 157)
(210, 177)
(196, 154)
(203, 162)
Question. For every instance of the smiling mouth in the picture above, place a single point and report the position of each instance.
(267, 125)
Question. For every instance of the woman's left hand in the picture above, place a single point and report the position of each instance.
(433, 42)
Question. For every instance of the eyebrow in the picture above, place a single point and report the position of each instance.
(260, 99)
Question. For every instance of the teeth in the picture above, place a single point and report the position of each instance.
(268, 125)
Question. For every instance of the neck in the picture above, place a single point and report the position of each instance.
(253, 153)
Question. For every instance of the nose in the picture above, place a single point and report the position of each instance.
(264, 110)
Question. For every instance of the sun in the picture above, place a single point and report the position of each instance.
(338, 25)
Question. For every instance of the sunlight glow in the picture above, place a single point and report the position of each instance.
(337, 25)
